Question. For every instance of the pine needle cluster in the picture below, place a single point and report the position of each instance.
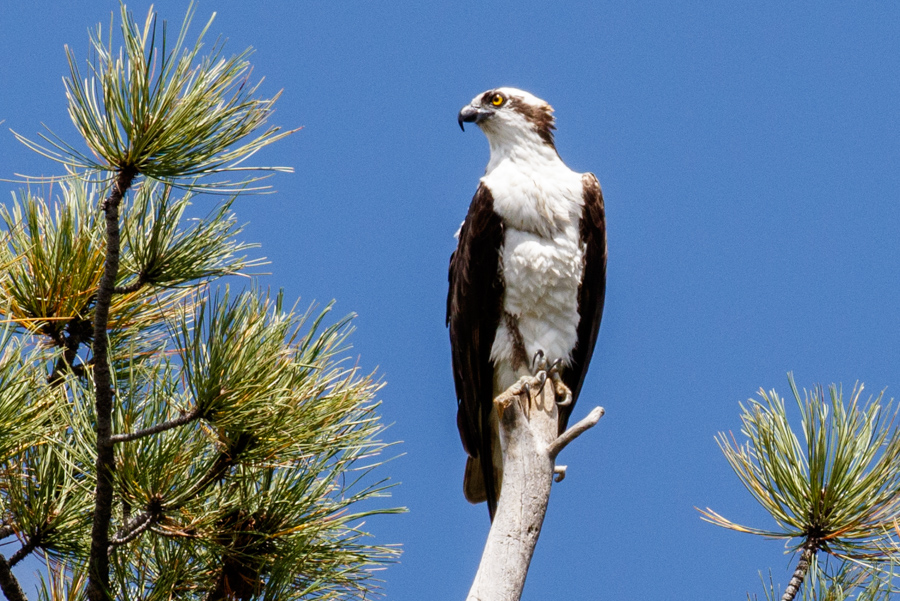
(162, 438)
(833, 491)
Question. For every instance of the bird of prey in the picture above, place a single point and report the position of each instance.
(527, 279)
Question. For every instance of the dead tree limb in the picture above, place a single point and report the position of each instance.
(528, 437)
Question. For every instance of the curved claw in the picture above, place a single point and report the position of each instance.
(537, 360)
(542, 377)
(561, 390)
(559, 472)
(567, 400)
(554, 367)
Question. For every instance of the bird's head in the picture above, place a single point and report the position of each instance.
(510, 116)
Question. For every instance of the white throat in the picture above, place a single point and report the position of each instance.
(518, 144)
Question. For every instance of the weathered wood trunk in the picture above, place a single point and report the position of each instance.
(528, 435)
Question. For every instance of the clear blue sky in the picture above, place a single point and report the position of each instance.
(748, 153)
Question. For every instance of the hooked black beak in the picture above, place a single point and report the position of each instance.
(470, 114)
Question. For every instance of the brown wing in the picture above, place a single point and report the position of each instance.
(592, 291)
(474, 305)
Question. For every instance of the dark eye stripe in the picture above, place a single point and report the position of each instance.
(489, 97)
(539, 116)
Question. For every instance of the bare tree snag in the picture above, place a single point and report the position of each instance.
(528, 437)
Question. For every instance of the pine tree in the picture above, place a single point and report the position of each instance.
(161, 437)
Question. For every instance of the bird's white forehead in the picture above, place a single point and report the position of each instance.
(522, 95)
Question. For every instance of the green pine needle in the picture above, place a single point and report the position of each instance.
(166, 112)
(837, 486)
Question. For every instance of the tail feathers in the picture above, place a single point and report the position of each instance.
(474, 486)
(484, 474)
(473, 482)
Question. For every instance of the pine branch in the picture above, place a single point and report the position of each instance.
(134, 286)
(98, 567)
(809, 550)
(217, 593)
(8, 583)
(174, 423)
(25, 550)
(71, 342)
(134, 528)
(216, 471)
(81, 369)
(837, 484)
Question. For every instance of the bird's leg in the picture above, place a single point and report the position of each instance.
(527, 385)
(531, 386)
(559, 387)
(520, 387)
(516, 392)
(540, 366)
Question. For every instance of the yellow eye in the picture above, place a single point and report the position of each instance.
(497, 100)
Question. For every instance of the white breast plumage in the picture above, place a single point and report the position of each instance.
(542, 260)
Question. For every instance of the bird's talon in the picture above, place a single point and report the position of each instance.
(542, 379)
(559, 473)
(561, 390)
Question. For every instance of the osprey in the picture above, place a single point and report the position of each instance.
(527, 279)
